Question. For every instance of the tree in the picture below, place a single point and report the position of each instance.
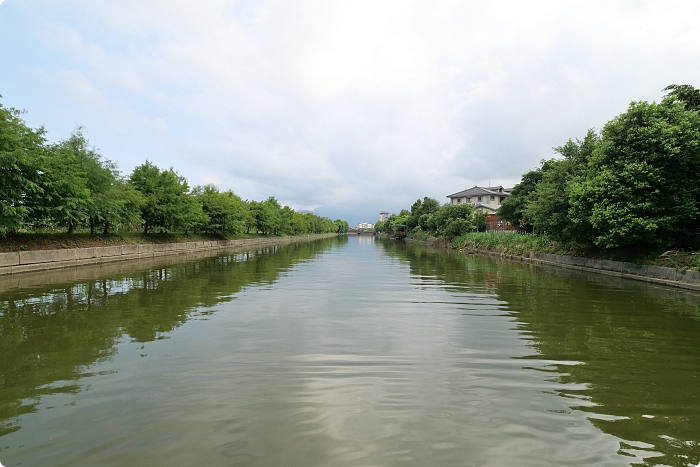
(67, 199)
(285, 225)
(22, 154)
(194, 217)
(226, 212)
(299, 224)
(640, 187)
(112, 201)
(513, 208)
(548, 205)
(480, 221)
(165, 194)
(452, 220)
(120, 207)
(266, 216)
(421, 208)
(684, 93)
(540, 200)
(341, 226)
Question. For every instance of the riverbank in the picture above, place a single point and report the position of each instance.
(540, 250)
(523, 244)
(16, 262)
(61, 241)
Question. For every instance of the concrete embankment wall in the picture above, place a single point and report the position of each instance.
(17, 262)
(685, 279)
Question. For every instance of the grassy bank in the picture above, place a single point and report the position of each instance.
(58, 241)
(521, 244)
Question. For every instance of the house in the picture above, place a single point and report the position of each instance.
(486, 200)
(483, 199)
(384, 215)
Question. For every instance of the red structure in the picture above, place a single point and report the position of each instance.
(495, 223)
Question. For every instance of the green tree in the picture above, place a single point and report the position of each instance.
(641, 187)
(421, 208)
(452, 220)
(120, 206)
(22, 155)
(285, 222)
(225, 211)
(299, 224)
(166, 197)
(684, 93)
(513, 208)
(341, 226)
(266, 216)
(480, 221)
(540, 200)
(67, 199)
(112, 202)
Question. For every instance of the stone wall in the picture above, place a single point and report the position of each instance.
(686, 279)
(17, 262)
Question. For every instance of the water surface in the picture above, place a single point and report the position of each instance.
(349, 352)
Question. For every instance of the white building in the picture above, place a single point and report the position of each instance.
(383, 216)
(483, 199)
(364, 225)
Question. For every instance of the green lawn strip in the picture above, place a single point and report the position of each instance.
(522, 244)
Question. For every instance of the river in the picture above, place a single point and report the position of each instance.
(348, 352)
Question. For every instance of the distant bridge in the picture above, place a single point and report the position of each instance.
(362, 232)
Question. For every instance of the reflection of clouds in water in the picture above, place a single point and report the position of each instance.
(405, 375)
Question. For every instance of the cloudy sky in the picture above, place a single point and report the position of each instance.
(347, 108)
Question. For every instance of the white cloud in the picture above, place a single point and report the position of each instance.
(360, 105)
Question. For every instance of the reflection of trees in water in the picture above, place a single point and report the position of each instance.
(50, 337)
(638, 352)
(457, 272)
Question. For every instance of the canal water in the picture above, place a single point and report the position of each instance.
(347, 352)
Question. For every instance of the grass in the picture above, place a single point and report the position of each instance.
(511, 243)
(521, 244)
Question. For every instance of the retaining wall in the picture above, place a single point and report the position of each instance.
(17, 262)
(686, 279)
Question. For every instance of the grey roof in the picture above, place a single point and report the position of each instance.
(480, 190)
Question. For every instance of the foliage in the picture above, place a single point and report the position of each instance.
(449, 220)
(70, 185)
(686, 94)
(632, 186)
(22, 153)
(509, 243)
(512, 208)
(341, 226)
(67, 198)
(166, 204)
(641, 185)
(267, 216)
(110, 201)
(480, 221)
(217, 212)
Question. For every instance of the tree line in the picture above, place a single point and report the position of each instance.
(428, 217)
(69, 185)
(634, 184)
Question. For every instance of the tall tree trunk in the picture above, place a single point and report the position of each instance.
(106, 230)
(92, 225)
(71, 228)
(145, 227)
